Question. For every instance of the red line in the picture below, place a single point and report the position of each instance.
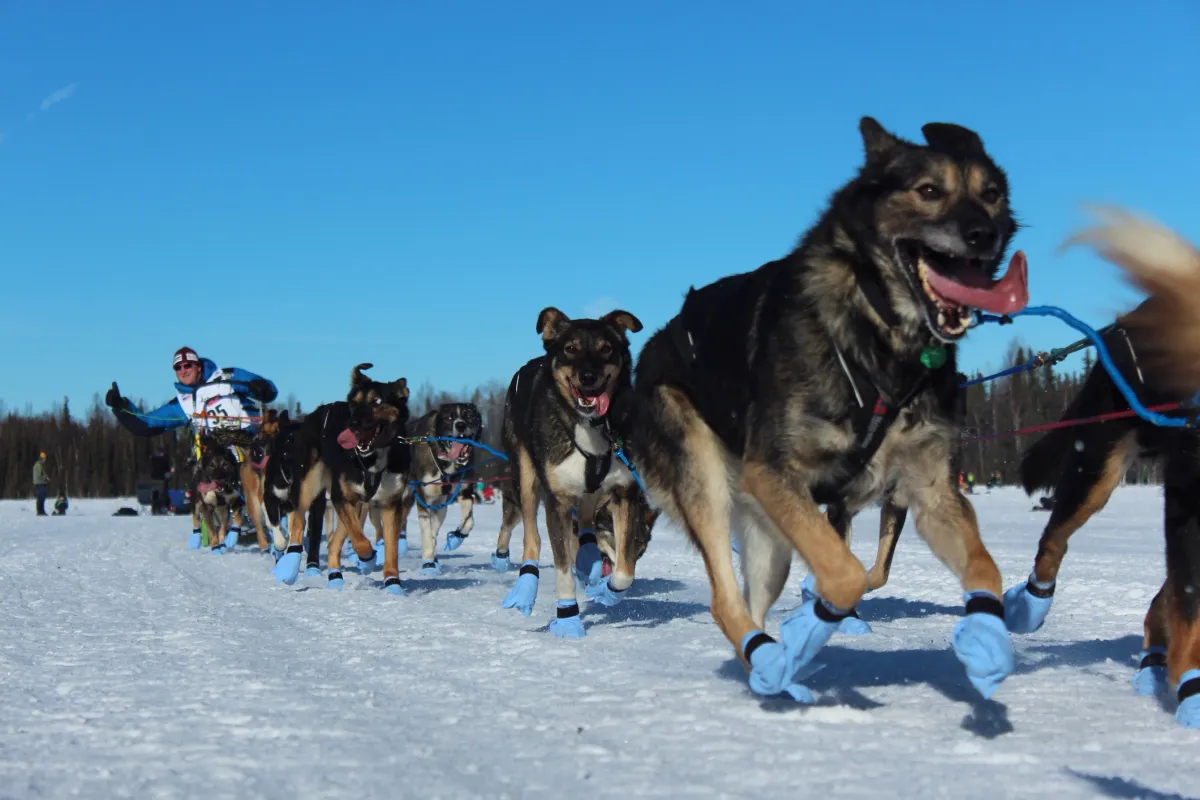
(1067, 423)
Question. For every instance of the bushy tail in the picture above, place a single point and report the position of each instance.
(1158, 261)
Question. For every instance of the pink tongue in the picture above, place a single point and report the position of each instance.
(602, 405)
(205, 488)
(455, 450)
(347, 439)
(1006, 296)
(606, 569)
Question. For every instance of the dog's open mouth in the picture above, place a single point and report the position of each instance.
(593, 402)
(605, 566)
(453, 451)
(951, 286)
(362, 441)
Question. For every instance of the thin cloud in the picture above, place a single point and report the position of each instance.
(59, 95)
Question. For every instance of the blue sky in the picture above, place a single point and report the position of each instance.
(297, 187)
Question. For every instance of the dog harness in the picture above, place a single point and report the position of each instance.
(870, 424)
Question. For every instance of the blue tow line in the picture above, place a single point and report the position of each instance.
(416, 485)
(1130, 396)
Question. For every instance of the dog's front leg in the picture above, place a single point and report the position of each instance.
(430, 520)
(946, 521)
(252, 488)
(390, 520)
(523, 593)
(466, 508)
(348, 515)
(1182, 529)
(314, 485)
(566, 624)
(612, 591)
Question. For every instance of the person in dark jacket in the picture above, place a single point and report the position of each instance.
(160, 470)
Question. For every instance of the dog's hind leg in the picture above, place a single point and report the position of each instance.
(252, 488)
(946, 521)
(1151, 675)
(194, 540)
(1182, 524)
(510, 517)
(466, 508)
(410, 499)
(312, 539)
(1084, 487)
(891, 523)
(523, 593)
(766, 561)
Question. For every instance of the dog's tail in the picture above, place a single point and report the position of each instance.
(1167, 267)
(1042, 463)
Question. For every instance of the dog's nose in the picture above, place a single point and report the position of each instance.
(588, 378)
(460, 427)
(980, 236)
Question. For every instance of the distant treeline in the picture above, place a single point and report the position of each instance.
(95, 457)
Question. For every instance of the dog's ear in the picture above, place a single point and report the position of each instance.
(623, 321)
(953, 139)
(283, 416)
(551, 322)
(357, 379)
(399, 388)
(878, 143)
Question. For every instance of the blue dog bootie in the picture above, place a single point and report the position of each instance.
(1151, 675)
(982, 643)
(523, 593)
(1026, 605)
(1188, 713)
(566, 624)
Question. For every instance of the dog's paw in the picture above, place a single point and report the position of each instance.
(567, 625)
(366, 567)
(500, 561)
(1025, 612)
(431, 568)
(218, 550)
(193, 542)
(804, 633)
(392, 586)
(1188, 713)
(401, 547)
(589, 564)
(454, 540)
(602, 592)
(312, 572)
(287, 568)
(1151, 677)
(335, 581)
(231, 538)
(982, 644)
(523, 593)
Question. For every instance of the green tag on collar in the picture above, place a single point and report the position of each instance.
(933, 356)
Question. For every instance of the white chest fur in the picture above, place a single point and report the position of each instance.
(571, 474)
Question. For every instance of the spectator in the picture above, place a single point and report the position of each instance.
(60, 505)
(40, 479)
(160, 470)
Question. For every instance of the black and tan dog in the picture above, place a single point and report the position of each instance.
(1156, 348)
(828, 377)
(352, 451)
(278, 456)
(442, 472)
(216, 492)
(561, 454)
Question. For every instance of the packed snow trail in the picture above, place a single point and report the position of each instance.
(133, 667)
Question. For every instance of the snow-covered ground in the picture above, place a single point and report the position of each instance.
(133, 667)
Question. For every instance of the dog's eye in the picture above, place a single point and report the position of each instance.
(571, 348)
(930, 192)
(990, 195)
(605, 350)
